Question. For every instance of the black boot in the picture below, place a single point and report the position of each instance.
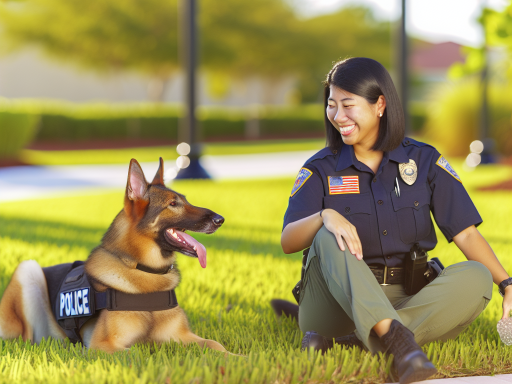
(287, 308)
(319, 343)
(410, 361)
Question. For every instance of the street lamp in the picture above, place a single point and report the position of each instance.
(402, 64)
(189, 165)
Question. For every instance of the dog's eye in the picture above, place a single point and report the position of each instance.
(172, 203)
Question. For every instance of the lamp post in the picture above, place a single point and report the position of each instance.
(189, 165)
(488, 142)
(403, 69)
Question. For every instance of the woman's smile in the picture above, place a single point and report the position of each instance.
(347, 129)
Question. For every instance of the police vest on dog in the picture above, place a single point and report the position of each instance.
(74, 301)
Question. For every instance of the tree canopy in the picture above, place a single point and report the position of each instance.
(237, 38)
(497, 29)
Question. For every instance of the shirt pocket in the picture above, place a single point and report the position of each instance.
(356, 208)
(412, 211)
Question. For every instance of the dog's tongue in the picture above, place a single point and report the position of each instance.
(200, 249)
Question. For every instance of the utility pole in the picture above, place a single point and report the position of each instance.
(403, 68)
(189, 165)
(488, 142)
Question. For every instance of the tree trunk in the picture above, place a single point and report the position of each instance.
(157, 88)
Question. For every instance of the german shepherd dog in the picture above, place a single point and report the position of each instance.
(148, 231)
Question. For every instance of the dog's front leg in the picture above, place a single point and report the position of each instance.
(117, 331)
(173, 325)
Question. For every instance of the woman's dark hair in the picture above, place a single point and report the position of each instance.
(369, 79)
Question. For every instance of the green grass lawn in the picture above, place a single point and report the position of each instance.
(229, 300)
(123, 156)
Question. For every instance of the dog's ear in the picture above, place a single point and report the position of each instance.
(136, 186)
(159, 177)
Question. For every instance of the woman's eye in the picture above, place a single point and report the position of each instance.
(172, 203)
(330, 106)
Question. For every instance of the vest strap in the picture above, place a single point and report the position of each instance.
(113, 300)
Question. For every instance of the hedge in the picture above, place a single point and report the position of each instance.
(18, 126)
(71, 122)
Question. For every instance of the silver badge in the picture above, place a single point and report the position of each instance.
(408, 172)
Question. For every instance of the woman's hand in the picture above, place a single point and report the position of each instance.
(507, 302)
(342, 229)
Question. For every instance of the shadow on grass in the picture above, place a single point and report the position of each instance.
(52, 233)
(60, 234)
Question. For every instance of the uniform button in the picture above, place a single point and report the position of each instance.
(388, 257)
(407, 142)
(335, 151)
(416, 203)
(374, 179)
(385, 233)
(380, 202)
(347, 209)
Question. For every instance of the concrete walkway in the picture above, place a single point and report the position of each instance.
(28, 182)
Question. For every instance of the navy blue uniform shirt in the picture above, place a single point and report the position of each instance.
(388, 225)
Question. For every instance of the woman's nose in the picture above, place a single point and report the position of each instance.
(340, 117)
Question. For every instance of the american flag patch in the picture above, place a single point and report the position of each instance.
(343, 184)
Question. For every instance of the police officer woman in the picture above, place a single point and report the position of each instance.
(361, 204)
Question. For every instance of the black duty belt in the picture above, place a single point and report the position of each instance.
(384, 274)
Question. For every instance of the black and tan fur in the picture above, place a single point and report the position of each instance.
(138, 235)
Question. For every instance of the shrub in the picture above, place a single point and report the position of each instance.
(71, 122)
(75, 122)
(454, 116)
(62, 121)
(417, 116)
(18, 124)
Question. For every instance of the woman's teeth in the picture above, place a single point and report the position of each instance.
(346, 129)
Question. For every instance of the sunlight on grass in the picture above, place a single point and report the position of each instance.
(229, 300)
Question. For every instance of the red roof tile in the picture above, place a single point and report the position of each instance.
(435, 56)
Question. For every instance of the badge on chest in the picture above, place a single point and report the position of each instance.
(339, 185)
(408, 172)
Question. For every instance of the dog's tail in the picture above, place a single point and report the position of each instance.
(25, 307)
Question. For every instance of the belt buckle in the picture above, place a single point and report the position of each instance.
(385, 276)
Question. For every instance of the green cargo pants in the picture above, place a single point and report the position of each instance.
(340, 295)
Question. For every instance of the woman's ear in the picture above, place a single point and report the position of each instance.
(381, 105)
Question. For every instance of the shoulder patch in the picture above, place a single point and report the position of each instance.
(443, 163)
(302, 176)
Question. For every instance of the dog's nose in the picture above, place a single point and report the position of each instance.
(218, 220)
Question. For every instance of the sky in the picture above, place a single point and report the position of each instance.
(431, 20)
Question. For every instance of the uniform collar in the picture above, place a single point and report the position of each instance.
(348, 157)
(398, 154)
